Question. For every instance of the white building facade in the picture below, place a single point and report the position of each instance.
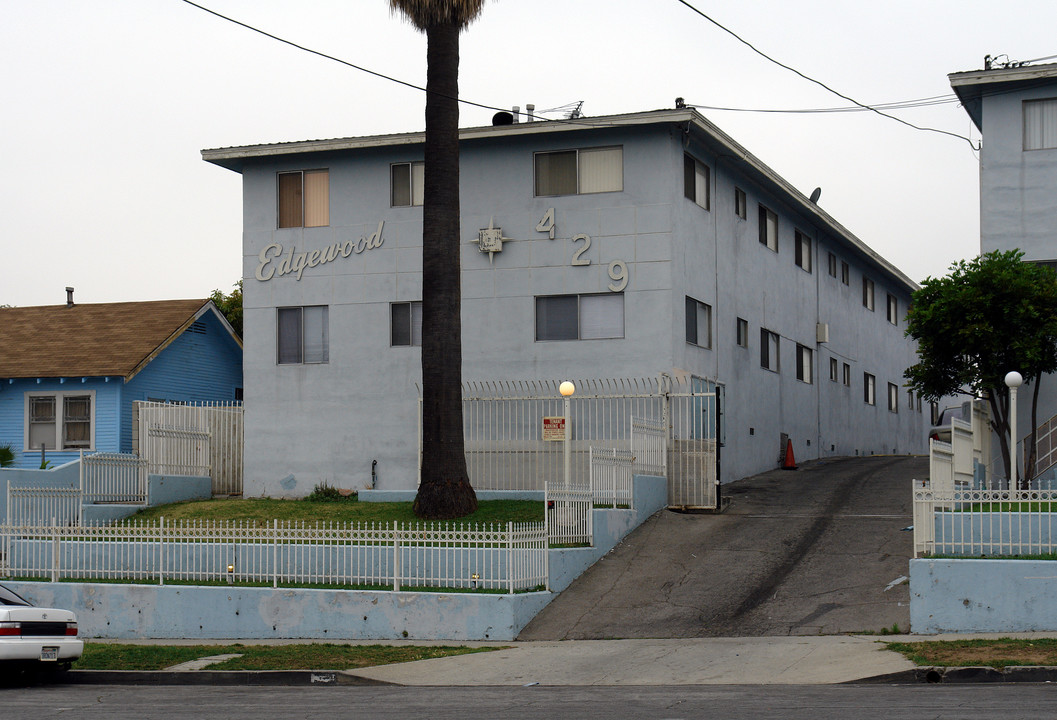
(610, 247)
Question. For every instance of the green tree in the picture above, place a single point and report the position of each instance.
(444, 491)
(230, 306)
(990, 315)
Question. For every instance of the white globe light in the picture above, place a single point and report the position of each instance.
(566, 388)
(1014, 379)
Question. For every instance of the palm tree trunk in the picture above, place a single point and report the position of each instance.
(445, 490)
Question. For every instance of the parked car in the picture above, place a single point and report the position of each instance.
(36, 637)
(941, 431)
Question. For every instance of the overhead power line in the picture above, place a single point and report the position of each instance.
(821, 84)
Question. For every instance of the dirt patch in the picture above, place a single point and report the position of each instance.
(991, 653)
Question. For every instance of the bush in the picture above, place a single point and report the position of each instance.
(7, 456)
(327, 493)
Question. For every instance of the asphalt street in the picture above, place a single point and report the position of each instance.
(816, 551)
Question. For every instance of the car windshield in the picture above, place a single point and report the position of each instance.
(9, 598)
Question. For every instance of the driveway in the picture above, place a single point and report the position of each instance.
(815, 551)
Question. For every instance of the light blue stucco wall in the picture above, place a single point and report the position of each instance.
(307, 424)
(982, 596)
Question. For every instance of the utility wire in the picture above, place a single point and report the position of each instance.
(818, 82)
(898, 105)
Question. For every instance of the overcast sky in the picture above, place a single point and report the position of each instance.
(107, 104)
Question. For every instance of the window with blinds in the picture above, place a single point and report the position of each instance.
(580, 317)
(405, 324)
(303, 335)
(696, 181)
(407, 183)
(577, 172)
(1040, 124)
(698, 323)
(304, 198)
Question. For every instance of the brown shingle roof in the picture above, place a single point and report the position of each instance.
(110, 339)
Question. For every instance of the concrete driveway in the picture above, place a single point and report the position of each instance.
(815, 551)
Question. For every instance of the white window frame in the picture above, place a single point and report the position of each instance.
(581, 154)
(59, 397)
(803, 251)
(869, 389)
(414, 318)
(770, 350)
(581, 300)
(768, 239)
(324, 356)
(697, 181)
(1040, 124)
(698, 323)
(804, 362)
(310, 203)
(415, 183)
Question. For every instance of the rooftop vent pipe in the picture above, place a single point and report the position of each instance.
(69, 297)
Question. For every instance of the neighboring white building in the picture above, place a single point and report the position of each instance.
(1015, 109)
(608, 247)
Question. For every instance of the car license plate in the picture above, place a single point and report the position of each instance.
(49, 653)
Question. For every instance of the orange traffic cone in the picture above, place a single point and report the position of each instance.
(790, 462)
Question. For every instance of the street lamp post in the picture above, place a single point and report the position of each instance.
(567, 389)
(1013, 381)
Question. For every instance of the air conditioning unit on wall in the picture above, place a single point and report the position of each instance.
(822, 332)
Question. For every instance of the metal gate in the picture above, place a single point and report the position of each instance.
(695, 440)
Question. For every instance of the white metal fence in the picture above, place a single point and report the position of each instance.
(204, 439)
(43, 506)
(507, 448)
(113, 478)
(649, 446)
(612, 477)
(570, 513)
(395, 556)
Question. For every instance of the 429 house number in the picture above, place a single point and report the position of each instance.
(618, 269)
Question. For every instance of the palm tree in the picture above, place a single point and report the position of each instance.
(444, 491)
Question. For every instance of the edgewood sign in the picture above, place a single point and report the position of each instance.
(273, 263)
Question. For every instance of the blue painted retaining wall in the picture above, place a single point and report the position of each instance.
(150, 611)
(953, 595)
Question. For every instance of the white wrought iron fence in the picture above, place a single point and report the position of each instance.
(975, 522)
(570, 513)
(203, 439)
(509, 558)
(43, 506)
(649, 446)
(113, 478)
(612, 477)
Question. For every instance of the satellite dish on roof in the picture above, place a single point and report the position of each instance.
(816, 194)
(502, 118)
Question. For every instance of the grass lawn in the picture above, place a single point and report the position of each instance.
(313, 656)
(261, 512)
(998, 653)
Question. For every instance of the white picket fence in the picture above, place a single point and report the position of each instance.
(510, 558)
(204, 440)
(113, 478)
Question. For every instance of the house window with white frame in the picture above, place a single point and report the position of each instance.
(869, 389)
(580, 317)
(803, 251)
(304, 198)
(769, 228)
(578, 172)
(769, 359)
(406, 183)
(302, 335)
(60, 421)
(1040, 124)
(804, 360)
(405, 324)
(696, 181)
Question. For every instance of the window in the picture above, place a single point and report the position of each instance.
(893, 310)
(575, 172)
(580, 317)
(847, 375)
(833, 370)
(303, 336)
(698, 323)
(867, 294)
(60, 421)
(406, 182)
(768, 228)
(910, 399)
(1040, 124)
(741, 203)
(832, 265)
(768, 350)
(803, 363)
(845, 273)
(696, 181)
(304, 198)
(893, 398)
(868, 389)
(803, 251)
(405, 324)
(742, 332)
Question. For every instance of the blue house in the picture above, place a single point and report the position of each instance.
(70, 373)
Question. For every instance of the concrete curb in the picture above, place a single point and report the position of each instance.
(217, 677)
(963, 675)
